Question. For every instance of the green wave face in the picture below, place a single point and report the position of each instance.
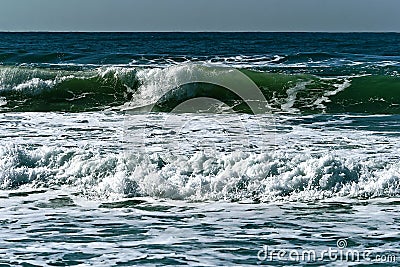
(370, 94)
(374, 94)
(30, 89)
(40, 89)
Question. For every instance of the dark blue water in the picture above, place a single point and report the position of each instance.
(122, 48)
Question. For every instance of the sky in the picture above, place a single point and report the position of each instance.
(200, 15)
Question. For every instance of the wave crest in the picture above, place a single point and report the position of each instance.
(121, 88)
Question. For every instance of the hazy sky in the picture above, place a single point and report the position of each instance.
(200, 15)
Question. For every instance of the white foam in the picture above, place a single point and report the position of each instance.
(291, 99)
(95, 155)
(339, 88)
(236, 175)
(3, 101)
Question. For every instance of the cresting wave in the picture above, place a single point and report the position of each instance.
(233, 176)
(41, 89)
(121, 88)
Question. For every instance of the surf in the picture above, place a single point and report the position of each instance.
(24, 88)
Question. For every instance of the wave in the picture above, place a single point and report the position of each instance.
(39, 89)
(76, 89)
(234, 176)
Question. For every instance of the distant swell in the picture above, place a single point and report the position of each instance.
(120, 88)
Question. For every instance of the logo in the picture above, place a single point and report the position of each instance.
(186, 109)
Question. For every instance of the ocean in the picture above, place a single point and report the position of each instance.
(201, 149)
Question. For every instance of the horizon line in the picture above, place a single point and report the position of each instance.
(43, 31)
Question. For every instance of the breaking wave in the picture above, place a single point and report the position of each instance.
(234, 176)
(121, 88)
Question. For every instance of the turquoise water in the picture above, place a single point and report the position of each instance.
(204, 149)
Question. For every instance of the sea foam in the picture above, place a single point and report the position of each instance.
(232, 176)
